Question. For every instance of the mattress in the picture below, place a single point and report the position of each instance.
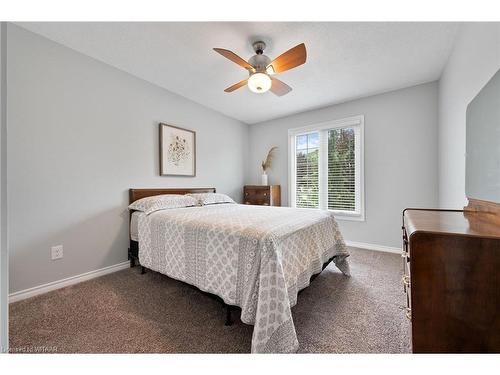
(254, 257)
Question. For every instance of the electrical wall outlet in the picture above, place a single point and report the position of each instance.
(57, 252)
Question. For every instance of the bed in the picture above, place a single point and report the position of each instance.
(256, 258)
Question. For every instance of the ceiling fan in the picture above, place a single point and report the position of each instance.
(261, 69)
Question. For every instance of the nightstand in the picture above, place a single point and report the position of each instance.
(262, 195)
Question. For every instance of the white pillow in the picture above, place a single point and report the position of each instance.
(211, 198)
(162, 202)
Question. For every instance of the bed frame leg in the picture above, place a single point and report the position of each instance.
(143, 270)
(229, 321)
(131, 258)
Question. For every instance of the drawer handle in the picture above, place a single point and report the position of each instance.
(246, 193)
(408, 313)
(406, 280)
(265, 194)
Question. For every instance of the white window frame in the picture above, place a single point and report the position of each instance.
(358, 124)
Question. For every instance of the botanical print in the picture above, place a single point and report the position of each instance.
(177, 151)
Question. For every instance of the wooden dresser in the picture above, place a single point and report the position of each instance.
(452, 280)
(263, 195)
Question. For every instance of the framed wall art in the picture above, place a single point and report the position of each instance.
(177, 151)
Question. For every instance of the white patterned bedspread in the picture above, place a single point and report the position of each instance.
(254, 257)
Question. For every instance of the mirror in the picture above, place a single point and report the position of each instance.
(482, 162)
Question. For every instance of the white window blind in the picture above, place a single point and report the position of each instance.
(307, 170)
(326, 167)
(341, 170)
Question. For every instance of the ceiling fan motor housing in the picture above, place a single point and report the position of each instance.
(259, 62)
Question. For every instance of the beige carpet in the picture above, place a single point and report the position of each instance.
(129, 312)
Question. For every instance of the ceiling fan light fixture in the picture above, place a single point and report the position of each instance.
(259, 83)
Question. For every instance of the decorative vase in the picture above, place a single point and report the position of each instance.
(264, 178)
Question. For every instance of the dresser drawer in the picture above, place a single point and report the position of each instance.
(257, 193)
(262, 195)
(257, 200)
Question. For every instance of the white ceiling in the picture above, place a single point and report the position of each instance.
(344, 60)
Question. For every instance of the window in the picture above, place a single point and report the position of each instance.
(326, 162)
(307, 170)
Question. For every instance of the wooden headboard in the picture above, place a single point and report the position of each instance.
(135, 194)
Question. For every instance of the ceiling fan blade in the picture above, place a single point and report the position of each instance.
(290, 59)
(234, 58)
(279, 88)
(236, 86)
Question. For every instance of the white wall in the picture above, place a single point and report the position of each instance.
(400, 157)
(4, 267)
(81, 133)
(474, 60)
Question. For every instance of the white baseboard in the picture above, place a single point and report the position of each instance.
(370, 246)
(31, 292)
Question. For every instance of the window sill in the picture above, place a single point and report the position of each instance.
(348, 217)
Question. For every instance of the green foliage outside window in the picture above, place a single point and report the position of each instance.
(341, 170)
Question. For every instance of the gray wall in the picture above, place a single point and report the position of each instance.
(81, 133)
(473, 61)
(4, 268)
(400, 156)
